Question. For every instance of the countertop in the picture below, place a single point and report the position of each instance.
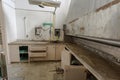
(30, 42)
(98, 66)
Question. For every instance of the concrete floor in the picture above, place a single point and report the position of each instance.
(32, 71)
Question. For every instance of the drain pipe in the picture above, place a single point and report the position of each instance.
(25, 28)
(54, 19)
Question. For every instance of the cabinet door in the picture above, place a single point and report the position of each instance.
(51, 52)
(65, 58)
(59, 49)
(14, 53)
(75, 73)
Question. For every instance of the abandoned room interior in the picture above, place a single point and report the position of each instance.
(59, 39)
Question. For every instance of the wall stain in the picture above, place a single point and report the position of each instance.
(108, 5)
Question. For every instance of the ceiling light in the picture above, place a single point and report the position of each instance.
(49, 3)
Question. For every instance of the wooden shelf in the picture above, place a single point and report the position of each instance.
(98, 66)
(23, 52)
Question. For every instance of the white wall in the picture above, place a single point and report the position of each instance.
(35, 16)
(10, 19)
(103, 24)
(39, 15)
(62, 12)
(0, 14)
(79, 8)
(33, 19)
(1, 46)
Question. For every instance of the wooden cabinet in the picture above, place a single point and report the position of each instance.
(51, 52)
(18, 53)
(35, 52)
(38, 52)
(75, 73)
(42, 52)
(14, 53)
(37, 47)
(58, 50)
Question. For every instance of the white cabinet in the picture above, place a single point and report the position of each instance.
(71, 72)
(65, 58)
(14, 53)
(53, 51)
(18, 53)
(36, 52)
(42, 52)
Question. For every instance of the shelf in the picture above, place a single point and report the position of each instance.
(98, 66)
(23, 57)
(23, 53)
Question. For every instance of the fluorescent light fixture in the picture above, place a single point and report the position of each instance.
(49, 3)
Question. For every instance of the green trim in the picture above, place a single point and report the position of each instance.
(48, 24)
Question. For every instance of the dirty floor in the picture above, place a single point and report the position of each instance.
(33, 71)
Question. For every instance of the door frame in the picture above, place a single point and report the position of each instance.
(3, 32)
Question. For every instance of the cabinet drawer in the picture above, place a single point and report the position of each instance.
(38, 48)
(38, 54)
